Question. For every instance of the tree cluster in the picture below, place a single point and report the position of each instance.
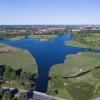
(7, 95)
(7, 74)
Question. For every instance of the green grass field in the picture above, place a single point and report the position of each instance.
(75, 64)
(95, 39)
(19, 59)
(80, 45)
(76, 44)
(43, 37)
(76, 88)
(17, 38)
(14, 85)
(39, 37)
(2, 45)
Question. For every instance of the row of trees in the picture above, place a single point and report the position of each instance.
(7, 35)
(7, 74)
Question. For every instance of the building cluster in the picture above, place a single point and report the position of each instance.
(80, 28)
(36, 30)
(50, 29)
(14, 31)
(44, 28)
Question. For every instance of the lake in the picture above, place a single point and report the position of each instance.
(46, 54)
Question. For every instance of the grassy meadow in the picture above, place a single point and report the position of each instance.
(91, 42)
(75, 64)
(18, 59)
(43, 37)
(83, 87)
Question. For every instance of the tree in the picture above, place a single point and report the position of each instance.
(1, 94)
(13, 75)
(55, 84)
(7, 73)
(23, 76)
(22, 97)
(81, 91)
(7, 95)
(29, 85)
(1, 71)
(96, 77)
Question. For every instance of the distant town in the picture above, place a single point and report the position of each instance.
(39, 29)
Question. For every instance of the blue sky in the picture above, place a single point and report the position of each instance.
(49, 11)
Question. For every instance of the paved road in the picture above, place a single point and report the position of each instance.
(36, 95)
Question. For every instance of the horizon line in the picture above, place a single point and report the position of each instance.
(48, 24)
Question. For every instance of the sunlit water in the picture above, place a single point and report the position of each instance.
(46, 54)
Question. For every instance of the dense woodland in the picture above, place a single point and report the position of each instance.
(10, 77)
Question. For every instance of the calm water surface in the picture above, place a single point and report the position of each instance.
(46, 54)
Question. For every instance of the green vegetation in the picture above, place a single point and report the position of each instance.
(19, 59)
(78, 77)
(85, 39)
(2, 45)
(7, 95)
(16, 78)
(81, 91)
(77, 44)
(17, 38)
(75, 64)
(68, 82)
(57, 87)
(43, 37)
(13, 85)
(22, 97)
(73, 89)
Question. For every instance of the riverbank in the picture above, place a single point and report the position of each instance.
(17, 58)
(43, 37)
(75, 43)
(38, 37)
(88, 41)
(17, 38)
(73, 65)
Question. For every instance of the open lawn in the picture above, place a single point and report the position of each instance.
(75, 64)
(19, 59)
